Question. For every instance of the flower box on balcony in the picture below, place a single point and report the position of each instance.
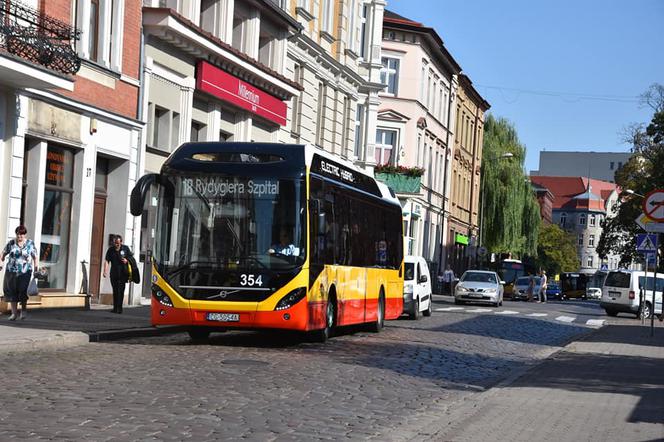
(399, 182)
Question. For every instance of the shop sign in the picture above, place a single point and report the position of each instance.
(56, 167)
(460, 239)
(221, 84)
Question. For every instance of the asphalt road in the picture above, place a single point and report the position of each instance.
(395, 385)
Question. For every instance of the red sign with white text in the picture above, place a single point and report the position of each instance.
(225, 86)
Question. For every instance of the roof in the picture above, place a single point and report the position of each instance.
(576, 193)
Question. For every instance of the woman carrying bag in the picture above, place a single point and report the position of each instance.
(21, 263)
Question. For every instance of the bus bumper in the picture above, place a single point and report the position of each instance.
(293, 318)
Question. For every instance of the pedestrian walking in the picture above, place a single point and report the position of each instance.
(117, 257)
(542, 293)
(22, 261)
(448, 278)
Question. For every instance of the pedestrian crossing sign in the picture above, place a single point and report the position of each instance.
(646, 243)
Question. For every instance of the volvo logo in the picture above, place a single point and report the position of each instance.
(223, 294)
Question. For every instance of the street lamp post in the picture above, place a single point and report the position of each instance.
(495, 158)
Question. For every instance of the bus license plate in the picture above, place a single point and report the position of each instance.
(223, 317)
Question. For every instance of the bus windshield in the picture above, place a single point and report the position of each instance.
(230, 223)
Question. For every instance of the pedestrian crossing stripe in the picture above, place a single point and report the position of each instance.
(566, 319)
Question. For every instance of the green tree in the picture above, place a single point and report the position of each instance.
(556, 250)
(642, 173)
(511, 218)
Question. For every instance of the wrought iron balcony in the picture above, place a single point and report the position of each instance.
(36, 37)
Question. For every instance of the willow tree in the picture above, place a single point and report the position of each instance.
(511, 213)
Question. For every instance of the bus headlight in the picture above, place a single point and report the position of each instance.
(291, 299)
(161, 297)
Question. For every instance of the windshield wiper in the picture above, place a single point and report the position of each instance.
(186, 266)
(253, 259)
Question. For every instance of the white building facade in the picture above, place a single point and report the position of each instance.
(71, 141)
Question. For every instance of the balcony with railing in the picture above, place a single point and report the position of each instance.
(401, 179)
(35, 50)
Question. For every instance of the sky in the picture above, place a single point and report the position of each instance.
(567, 73)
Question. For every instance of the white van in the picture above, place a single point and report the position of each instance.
(622, 292)
(416, 287)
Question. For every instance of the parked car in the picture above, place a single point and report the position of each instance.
(622, 292)
(520, 291)
(479, 286)
(416, 287)
(593, 293)
(553, 291)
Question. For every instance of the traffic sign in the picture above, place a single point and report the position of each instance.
(648, 224)
(604, 267)
(482, 251)
(646, 243)
(653, 205)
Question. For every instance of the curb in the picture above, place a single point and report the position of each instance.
(117, 335)
(45, 342)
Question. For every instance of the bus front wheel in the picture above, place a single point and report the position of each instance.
(380, 319)
(324, 334)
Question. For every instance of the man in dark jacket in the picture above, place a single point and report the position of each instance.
(117, 257)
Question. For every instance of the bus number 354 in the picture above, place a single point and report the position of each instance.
(251, 280)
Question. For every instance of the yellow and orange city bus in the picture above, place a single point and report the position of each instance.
(271, 236)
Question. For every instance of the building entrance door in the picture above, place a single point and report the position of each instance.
(97, 246)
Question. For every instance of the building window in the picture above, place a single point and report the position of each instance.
(386, 142)
(102, 25)
(198, 131)
(320, 121)
(163, 128)
(93, 39)
(580, 239)
(363, 31)
(359, 129)
(582, 219)
(296, 118)
(591, 220)
(591, 241)
(328, 15)
(619, 164)
(268, 45)
(611, 165)
(389, 74)
(58, 193)
(563, 219)
(590, 261)
(345, 128)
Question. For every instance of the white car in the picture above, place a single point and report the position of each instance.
(416, 287)
(479, 286)
(593, 293)
(623, 289)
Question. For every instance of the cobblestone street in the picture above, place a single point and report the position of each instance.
(388, 386)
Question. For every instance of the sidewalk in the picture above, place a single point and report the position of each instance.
(46, 328)
(607, 387)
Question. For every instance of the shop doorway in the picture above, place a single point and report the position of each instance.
(98, 222)
(97, 246)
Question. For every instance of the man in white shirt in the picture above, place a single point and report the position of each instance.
(542, 293)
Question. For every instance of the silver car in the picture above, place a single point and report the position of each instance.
(479, 286)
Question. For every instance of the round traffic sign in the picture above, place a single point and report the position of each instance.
(481, 251)
(653, 205)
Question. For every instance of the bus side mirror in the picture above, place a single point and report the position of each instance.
(139, 192)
